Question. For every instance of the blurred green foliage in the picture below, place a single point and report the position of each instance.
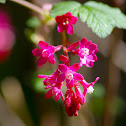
(33, 22)
(2, 1)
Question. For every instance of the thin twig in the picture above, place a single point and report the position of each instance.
(28, 5)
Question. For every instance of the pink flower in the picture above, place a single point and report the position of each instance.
(56, 91)
(65, 23)
(69, 73)
(51, 83)
(46, 53)
(50, 80)
(87, 52)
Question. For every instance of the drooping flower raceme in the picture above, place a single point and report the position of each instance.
(65, 22)
(66, 74)
(72, 100)
(46, 53)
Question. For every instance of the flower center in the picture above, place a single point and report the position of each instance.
(45, 53)
(65, 22)
(86, 51)
(90, 89)
(69, 76)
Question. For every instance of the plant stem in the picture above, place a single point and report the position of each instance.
(29, 5)
(65, 44)
(64, 38)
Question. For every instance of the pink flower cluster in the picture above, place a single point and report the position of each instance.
(66, 74)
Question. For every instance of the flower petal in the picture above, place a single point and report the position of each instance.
(41, 61)
(56, 73)
(37, 52)
(61, 78)
(91, 47)
(60, 28)
(51, 59)
(57, 48)
(69, 83)
(92, 57)
(62, 96)
(73, 46)
(56, 97)
(51, 49)
(80, 95)
(49, 94)
(69, 29)
(83, 42)
(89, 63)
(75, 67)
(73, 20)
(43, 45)
(41, 76)
(68, 14)
(59, 19)
(78, 76)
(96, 51)
(92, 83)
(63, 68)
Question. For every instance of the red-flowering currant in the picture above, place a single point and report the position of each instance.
(86, 50)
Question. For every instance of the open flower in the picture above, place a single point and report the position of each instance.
(69, 73)
(87, 52)
(50, 80)
(56, 92)
(51, 83)
(46, 53)
(65, 23)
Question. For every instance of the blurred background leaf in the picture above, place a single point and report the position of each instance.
(33, 22)
(2, 1)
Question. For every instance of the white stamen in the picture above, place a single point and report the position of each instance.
(90, 89)
(64, 23)
(67, 22)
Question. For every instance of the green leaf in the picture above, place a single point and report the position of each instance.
(33, 22)
(102, 18)
(64, 7)
(115, 16)
(2, 1)
(98, 22)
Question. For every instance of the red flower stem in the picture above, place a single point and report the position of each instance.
(65, 43)
(29, 5)
(63, 39)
